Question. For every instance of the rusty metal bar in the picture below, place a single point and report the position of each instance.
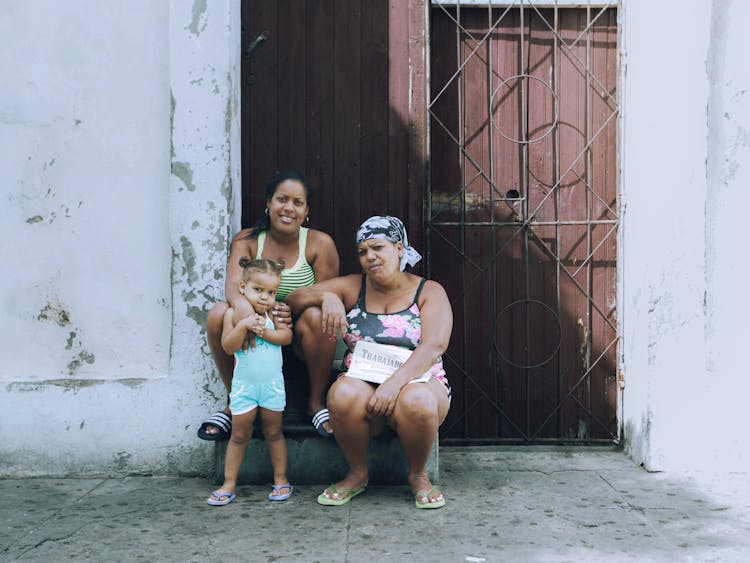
(558, 206)
(520, 224)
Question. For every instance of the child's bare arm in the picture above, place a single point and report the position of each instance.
(281, 334)
(233, 335)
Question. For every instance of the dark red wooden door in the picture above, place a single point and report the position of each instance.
(337, 90)
(522, 219)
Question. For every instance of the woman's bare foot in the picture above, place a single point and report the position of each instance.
(342, 491)
(216, 427)
(212, 430)
(424, 491)
(315, 414)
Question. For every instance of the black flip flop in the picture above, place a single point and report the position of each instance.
(318, 420)
(220, 420)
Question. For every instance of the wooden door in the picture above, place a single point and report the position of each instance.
(337, 90)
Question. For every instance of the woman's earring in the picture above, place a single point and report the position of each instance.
(307, 219)
(266, 210)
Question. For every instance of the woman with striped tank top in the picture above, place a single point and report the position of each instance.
(309, 256)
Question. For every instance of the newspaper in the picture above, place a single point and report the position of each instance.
(376, 362)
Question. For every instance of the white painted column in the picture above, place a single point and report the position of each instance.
(662, 242)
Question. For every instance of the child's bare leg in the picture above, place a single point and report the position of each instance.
(242, 431)
(274, 436)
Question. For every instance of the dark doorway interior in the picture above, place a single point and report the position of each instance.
(326, 91)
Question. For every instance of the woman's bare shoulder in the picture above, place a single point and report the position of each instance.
(432, 290)
(320, 240)
(346, 282)
(243, 236)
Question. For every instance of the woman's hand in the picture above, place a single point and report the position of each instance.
(333, 315)
(257, 325)
(383, 401)
(282, 313)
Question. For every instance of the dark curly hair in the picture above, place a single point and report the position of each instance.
(263, 265)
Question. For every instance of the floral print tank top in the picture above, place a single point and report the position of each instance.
(403, 328)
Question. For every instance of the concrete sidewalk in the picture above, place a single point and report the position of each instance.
(504, 504)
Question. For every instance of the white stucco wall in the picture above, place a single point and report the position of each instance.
(85, 132)
(118, 123)
(727, 255)
(685, 156)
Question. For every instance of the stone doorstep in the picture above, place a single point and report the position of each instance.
(313, 459)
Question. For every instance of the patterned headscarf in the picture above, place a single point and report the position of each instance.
(392, 229)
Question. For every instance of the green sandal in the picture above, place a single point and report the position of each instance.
(328, 501)
(426, 495)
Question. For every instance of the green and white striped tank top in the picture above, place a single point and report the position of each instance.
(299, 275)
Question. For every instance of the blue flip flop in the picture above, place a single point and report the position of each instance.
(319, 419)
(218, 494)
(278, 488)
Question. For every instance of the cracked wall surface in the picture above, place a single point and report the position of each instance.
(84, 198)
(118, 190)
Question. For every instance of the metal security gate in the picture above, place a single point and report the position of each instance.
(522, 217)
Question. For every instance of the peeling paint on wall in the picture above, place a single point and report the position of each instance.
(228, 112)
(71, 384)
(78, 361)
(121, 460)
(183, 171)
(188, 260)
(199, 10)
(83, 356)
(199, 315)
(208, 390)
(54, 312)
(58, 314)
(173, 103)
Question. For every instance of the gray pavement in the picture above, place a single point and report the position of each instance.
(504, 504)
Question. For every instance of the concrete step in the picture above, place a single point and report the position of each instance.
(314, 459)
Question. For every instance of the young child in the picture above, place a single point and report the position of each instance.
(257, 381)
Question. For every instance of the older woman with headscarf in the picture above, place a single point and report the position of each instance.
(386, 305)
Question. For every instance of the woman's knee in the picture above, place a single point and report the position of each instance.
(348, 394)
(417, 404)
(215, 320)
(309, 322)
